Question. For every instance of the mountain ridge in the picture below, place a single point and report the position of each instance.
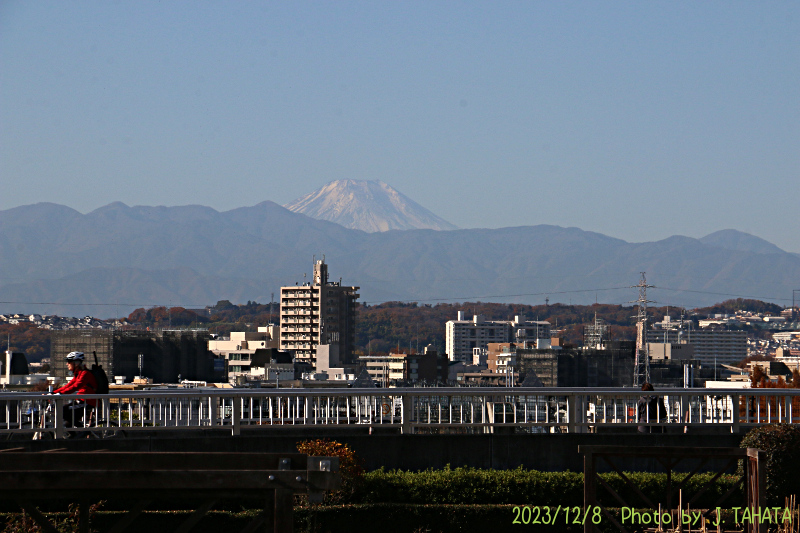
(732, 239)
(250, 252)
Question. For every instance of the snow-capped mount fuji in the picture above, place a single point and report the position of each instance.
(370, 206)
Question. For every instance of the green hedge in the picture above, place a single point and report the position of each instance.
(781, 442)
(364, 518)
(361, 518)
(457, 499)
(406, 518)
(475, 486)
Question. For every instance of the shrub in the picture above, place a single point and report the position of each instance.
(63, 522)
(781, 442)
(519, 486)
(350, 465)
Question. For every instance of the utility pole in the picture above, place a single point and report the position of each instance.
(794, 306)
(641, 369)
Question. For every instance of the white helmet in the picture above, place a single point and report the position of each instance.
(75, 357)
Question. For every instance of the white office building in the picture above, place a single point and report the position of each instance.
(711, 346)
(462, 336)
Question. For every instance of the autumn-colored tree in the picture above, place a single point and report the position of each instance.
(161, 317)
(757, 377)
(350, 465)
(27, 338)
(764, 407)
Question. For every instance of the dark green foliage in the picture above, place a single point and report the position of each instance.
(781, 442)
(471, 486)
(475, 486)
(405, 518)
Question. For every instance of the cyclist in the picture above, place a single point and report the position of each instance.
(82, 382)
(651, 409)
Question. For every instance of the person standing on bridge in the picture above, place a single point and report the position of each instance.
(651, 409)
(82, 382)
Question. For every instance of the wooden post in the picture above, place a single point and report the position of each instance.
(269, 512)
(589, 499)
(83, 516)
(284, 517)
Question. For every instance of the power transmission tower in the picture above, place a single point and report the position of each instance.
(641, 369)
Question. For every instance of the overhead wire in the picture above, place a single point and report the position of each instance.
(417, 300)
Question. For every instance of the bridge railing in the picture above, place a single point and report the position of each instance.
(413, 410)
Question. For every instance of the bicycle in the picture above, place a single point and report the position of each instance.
(45, 421)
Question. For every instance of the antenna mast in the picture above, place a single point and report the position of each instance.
(641, 370)
(271, 305)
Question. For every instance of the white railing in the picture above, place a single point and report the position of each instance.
(413, 410)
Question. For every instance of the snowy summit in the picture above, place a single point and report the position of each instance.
(371, 206)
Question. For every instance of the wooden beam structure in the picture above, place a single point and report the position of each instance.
(753, 478)
(28, 478)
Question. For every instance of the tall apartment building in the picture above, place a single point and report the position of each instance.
(319, 312)
(463, 336)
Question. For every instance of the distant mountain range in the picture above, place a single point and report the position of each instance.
(117, 258)
(367, 205)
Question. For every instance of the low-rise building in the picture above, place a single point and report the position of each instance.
(405, 368)
(240, 347)
(166, 356)
(609, 366)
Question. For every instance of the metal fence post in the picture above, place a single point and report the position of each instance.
(406, 415)
(236, 415)
(58, 422)
(572, 413)
(213, 409)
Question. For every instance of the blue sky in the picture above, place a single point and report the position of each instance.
(639, 120)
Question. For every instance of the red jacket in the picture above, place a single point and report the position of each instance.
(82, 383)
